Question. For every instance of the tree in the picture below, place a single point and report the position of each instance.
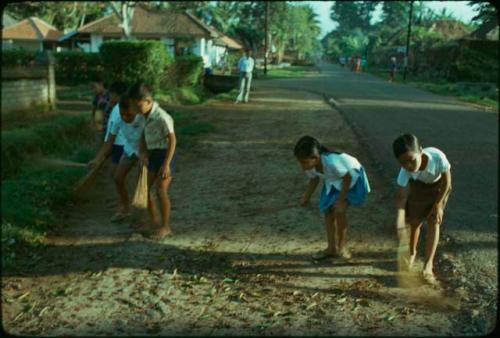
(124, 10)
(395, 13)
(486, 11)
(64, 16)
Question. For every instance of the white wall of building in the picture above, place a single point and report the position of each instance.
(95, 42)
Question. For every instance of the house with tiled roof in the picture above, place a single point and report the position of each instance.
(31, 34)
(181, 32)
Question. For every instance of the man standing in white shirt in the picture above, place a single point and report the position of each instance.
(245, 67)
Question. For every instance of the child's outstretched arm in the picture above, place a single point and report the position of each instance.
(313, 183)
(437, 208)
(104, 152)
(172, 143)
(401, 199)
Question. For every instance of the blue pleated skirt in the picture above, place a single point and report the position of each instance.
(355, 196)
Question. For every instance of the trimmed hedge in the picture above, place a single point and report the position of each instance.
(133, 60)
(185, 71)
(76, 67)
(17, 57)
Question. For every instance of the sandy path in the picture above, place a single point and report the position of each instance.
(236, 263)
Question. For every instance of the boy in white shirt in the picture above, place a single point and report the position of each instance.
(157, 152)
(131, 126)
(424, 185)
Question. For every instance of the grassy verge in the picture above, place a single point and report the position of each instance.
(288, 72)
(32, 194)
(444, 88)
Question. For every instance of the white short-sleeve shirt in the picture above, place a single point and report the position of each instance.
(131, 134)
(114, 118)
(158, 125)
(437, 164)
(336, 166)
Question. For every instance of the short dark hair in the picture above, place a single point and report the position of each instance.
(405, 142)
(118, 87)
(140, 91)
(124, 101)
(308, 146)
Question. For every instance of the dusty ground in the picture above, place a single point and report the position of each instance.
(237, 263)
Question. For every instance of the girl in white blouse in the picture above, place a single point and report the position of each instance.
(424, 185)
(344, 183)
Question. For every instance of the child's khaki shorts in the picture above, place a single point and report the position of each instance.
(421, 198)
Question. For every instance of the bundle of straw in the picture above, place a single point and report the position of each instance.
(140, 199)
(88, 180)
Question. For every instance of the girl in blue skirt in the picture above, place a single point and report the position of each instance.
(344, 183)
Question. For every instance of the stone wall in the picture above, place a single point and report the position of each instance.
(27, 88)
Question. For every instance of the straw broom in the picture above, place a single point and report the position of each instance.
(140, 199)
(86, 182)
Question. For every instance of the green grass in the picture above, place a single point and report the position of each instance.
(288, 72)
(59, 136)
(444, 88)
(184, 95)
(226, 97)
(32, 194)
(80, 92)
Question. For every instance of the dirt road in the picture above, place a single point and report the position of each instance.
(238, 262)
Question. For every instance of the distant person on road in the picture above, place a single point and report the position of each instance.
(245, 67)
(358, 64)
(392, 72)
(424, 185)
(352, 63)
(344, 183)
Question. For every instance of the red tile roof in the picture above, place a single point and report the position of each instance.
(33, 29)
(164, 23)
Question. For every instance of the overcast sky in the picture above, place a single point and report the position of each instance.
(459, 9)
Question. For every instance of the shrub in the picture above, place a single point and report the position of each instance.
(17, 57)
(185, 71)
(133, 60)
(76, 67)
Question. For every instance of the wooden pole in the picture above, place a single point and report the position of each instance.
(408, 41)
(266, 43)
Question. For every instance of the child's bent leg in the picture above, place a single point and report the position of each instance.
(120, 178)
(431, 243)
(341, 221)
(330, 231)
(164, 229)
(414, 235)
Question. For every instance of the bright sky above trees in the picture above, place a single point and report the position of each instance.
(459, 9)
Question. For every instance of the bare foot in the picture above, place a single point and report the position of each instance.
(160, 233)
(429, 278)
(345, 254)
(411, 260)
(323, 254)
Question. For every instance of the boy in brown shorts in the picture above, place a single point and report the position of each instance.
(424, 183)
